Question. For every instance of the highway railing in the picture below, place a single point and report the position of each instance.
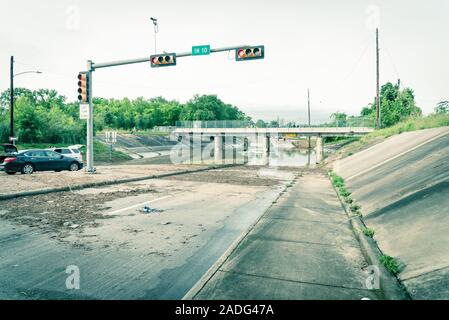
(354, 122)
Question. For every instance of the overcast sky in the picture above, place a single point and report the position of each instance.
(325, 45)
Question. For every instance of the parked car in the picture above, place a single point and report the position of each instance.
(30, 161)
(72, 152)
(7, 150)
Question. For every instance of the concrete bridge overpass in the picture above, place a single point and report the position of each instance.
(303, 131)
(265, 134)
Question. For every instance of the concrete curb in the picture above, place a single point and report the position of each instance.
(390, 287)
(197, 287)
(108, 182)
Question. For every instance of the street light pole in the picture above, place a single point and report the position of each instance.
(11, 108)
(11, 102)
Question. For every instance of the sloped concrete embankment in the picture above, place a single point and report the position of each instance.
(402, 185)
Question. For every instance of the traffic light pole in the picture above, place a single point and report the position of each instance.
(90, 123)
(11, 98)
(91, 67)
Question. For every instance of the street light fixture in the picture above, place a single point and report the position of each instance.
(20, 73)
(11, 110)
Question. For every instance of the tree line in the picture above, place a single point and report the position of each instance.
(396, 105)
(45, 116)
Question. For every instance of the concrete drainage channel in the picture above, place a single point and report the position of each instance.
(390, 287)
(108, 183)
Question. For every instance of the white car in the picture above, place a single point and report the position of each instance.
(71, 152)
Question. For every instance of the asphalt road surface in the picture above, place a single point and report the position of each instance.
(120, 251)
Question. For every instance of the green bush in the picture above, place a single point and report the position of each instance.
(390, 264)
(343, 192)
(337, 181)
(368, 232)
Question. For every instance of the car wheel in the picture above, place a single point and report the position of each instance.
(27, 168)
(74, 166)
(10, 172)
(57, 170)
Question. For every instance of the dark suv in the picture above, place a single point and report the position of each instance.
(30, 161)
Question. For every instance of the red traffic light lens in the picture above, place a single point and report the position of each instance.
(241, 53)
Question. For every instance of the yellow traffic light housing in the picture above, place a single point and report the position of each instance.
(163, 60)
(250, 53)
(83, 87)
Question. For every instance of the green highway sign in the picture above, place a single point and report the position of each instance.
(201, 50)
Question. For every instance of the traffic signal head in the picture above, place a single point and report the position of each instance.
(83, 87)
(163, 60)
(250, 53)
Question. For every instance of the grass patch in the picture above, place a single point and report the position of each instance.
(29, 146)
(343, 192)
(101, 153)
(390, 264)
(337, 181)
(339, 184)
(368, 232)
(411, 124)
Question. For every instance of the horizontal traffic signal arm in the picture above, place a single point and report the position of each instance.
(250, 53)
(254, 54)
(163, 60)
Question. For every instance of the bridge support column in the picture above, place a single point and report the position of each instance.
(319, 149)
(191, 146)
(266, 143)
(234, 150)
(218, 139)
(201, 148)
(245, 150)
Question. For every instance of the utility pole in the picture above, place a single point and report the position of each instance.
(308, 111)
(378, 115)
(11, 102)
(11, 106)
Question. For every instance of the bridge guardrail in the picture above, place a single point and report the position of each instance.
(354, 122)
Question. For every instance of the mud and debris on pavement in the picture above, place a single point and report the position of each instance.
(169, 249)
(44, 180)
